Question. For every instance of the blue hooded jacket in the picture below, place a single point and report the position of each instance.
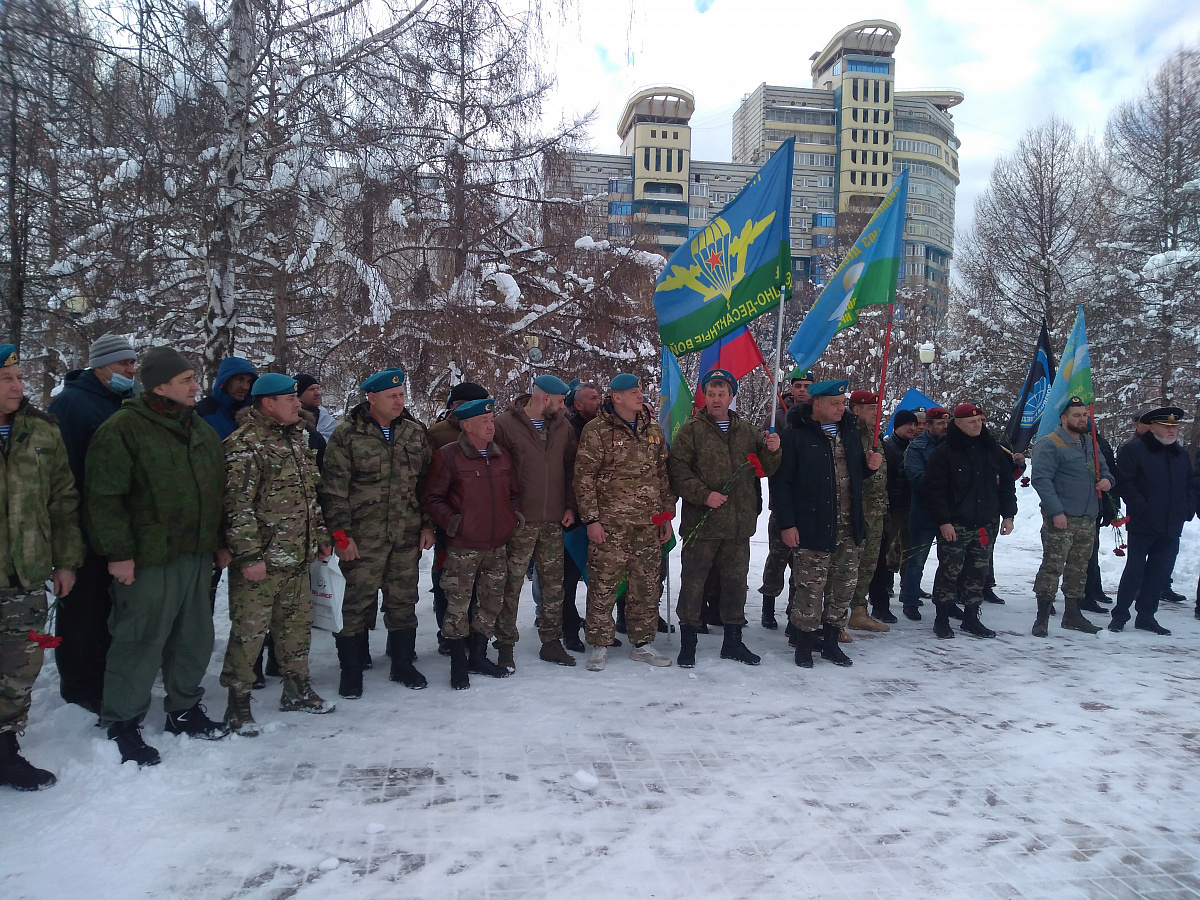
(219, 409)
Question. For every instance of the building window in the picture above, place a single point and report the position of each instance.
(822, 240)
(874, 137)
(887, 92)
(854, 135)
(699, 213)
(877, 68)
(675, 135)
(825, 181)
(885, 179)
(876, 91)
(669, 155)
(657, 159)
(874, 179)
(887, 136)
(823, 220)
(679, 165)
(647, 163)
(887, 116)
(854, 178)
(885, 159)
(620, 208)
(854, 87)
(653, 133)
(854, 114)
(618, 230)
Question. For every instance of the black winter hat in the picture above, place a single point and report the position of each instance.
(304, 382)
(160, 365)
(465, 391)
(905, 417)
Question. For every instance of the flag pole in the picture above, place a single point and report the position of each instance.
(887, 343)
(778, 349)
(1095, 450)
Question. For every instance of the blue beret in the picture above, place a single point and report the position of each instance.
(623, 382)
(382, 381)
(720, 375)
(8, 355)
(829, 388)
(272, 384)
(473, 408)
(552, 384)
(797, 375)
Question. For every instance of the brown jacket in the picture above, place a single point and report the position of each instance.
(473, 498)
(444, 432)
(545, 461)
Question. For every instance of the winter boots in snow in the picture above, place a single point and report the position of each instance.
(971, 624)
(860, 621)
(238, 717)
(478, 662)
(505, 658)
(1075, 620)
(402, 643)
(128, 736)
(768, 613)
(460, 679)
(194, 722)
(1041, 625)
(299, 696)
(687, 647)
(16, 771)
(830, 649)
(941, 621)
(733, 648)
(806, 642)
(553, 651)
(350, 658)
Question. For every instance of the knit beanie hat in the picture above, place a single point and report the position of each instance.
(160, 365)
(109, 348)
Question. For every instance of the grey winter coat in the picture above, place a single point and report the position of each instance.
(1064, 474)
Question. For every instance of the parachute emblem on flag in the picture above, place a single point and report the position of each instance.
(849, 280)
(714, 250)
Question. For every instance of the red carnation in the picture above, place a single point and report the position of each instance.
(983, 537)
(339, 538)
(663, 517)
(45, 641)
(752, 458)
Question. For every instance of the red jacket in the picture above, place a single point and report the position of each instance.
(473, 498)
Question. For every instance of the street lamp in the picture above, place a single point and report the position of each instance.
(926, 353)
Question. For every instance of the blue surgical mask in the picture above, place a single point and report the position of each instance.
(120, 383)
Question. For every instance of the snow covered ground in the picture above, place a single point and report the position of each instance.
(1016, 767)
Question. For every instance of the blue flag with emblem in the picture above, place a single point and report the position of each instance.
(1026, 416)
(728, 273)
(1074, 378)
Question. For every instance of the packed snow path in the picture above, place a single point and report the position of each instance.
(1015, 767)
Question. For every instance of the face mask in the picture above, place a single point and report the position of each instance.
(120, 383)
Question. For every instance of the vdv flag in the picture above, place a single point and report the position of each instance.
(867, 276)
(1027, 414)
(675, 404)
(727, 275)
(737, 353)
(1074, 377)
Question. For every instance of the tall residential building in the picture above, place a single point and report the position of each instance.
(854, 134)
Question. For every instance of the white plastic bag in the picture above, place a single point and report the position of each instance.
(328, 586)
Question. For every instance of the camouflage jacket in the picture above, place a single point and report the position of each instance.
(271, 510)
(369, 487)
(702, 460)
(621, 473)
(874, 490)
(39, 528)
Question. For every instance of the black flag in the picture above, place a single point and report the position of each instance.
(1027, 414)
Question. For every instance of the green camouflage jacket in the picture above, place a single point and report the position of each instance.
(621, 473)
(271, 509)
(874, 490)
(39, 530)
(370, 488)
(154, 484)
(702, 460)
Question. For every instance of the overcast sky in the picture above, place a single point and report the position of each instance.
(1016, 62)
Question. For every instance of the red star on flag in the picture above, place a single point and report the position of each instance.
(714, 260)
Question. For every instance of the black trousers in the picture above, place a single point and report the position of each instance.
(571, 578)
(1149, 559)
(1095, 587)
(81, 620)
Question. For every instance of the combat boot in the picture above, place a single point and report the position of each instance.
(806, 642)
(860, 621)
(504, 658)
(194, 722)
(364, 648)
(552, 651)
(1041, 625)
(572, 641)
(768, 613)
(792, 633)
(1087, 604)
(238, 717)
(830, 649)
(403, 642)
(687, 647)
(733, 648)
(941, 621)
(972, 625)
(954, 611)
(844, 637)
(349, 651)
(16, 771)
(881, 604)
(1075, 620)
(298, 696)
(478, 662)
(128, 735)
(460, 680)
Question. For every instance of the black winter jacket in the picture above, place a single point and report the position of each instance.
(898, 491)
(969, 481)
(1156, 484)
(804, 489)
(81, 407)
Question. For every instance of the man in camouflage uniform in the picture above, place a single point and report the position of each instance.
(710, 469)
(1065, 477)
(779, 554)
(865, 406)
(375, 468)
(543, 445)
(275, 530)
(625, 499)
(472, 494)
(817, 497)
(39, 541)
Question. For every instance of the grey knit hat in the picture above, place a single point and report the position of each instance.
(160, 365)
(109, 348)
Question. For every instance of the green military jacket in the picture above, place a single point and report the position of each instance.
(702, 460)
(621, 473)
(874, 490)
(271, 508)
(154, 483)
(369, 488)
(39, 531)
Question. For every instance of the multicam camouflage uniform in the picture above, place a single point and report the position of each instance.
(372, 491)
(965, 561)
(875, 507)
(621, 482)
(271, 516)
(1066, 554)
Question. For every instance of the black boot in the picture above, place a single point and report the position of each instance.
(792, 633)
(444, 643)
(128, 736)
(972, 625)
(733, 648)
(806, 642)
(571, 625)
(1087, 604)
(194, 722)
(349, 652)
(572, 641)
(403, 642)
(687, 647)
(272, 667)
(364, 649)
(991, 596)
(478, 661)
(16, 771)
(768, 613)
(460, 680)
(260, 680)
(621, 629)
(941, 621)
(831, 648)
(954, 611)
(881, 603)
